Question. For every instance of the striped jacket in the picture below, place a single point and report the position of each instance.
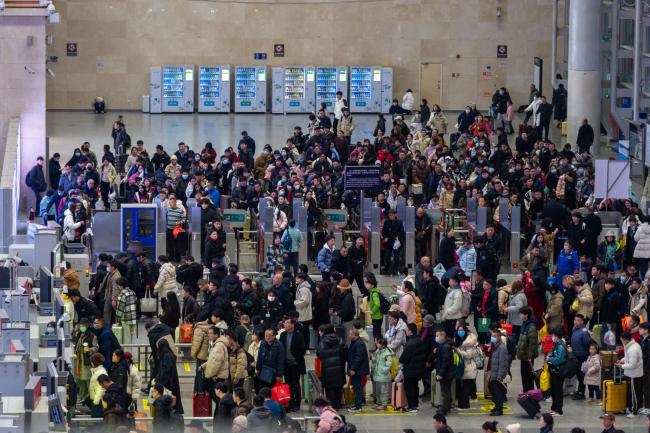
(126, 310)
(175, 216)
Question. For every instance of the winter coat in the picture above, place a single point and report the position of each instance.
(567, 264)
(346, 125)
(592, 376)
(324, 259)
(558, 356)
(642, 238)
(382, 362)
(586, 300)
(331, 352)
(217, 363)
(438, 121)
(200, 341)
(69, 225)
(610, 307)
(527, 346)
(261, 420)
(120, 373)
(297, 350)
(166, 280)
(238, 364)
(272, 356)
(414, 358)
(452, 309)
(330, 421)
(580, 340)
(633, 360)
(444, 361)
(468, 349)
(499, 361)
(396, 337)
(358, 358)
(168, 377)
(555, 312)
(639, 303)
(134, 383)
(303, 302)
(408, 101)
(95, 390)
(514, 305)
(503, 295)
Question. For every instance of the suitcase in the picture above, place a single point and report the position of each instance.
(318, 367)
(313, 339)
(186, 332)
(348, 395)
(371, 338)
(608, 357)
(119, 333)
(201, 405)
(398, 396)
(614, 396)
(530, 405)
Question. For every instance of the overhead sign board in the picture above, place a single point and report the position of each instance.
(363, 177)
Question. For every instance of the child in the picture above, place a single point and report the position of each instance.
(591, 369)
(382, 363)
(134, 382)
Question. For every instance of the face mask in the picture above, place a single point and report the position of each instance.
(185, 177)
(319, 411)
(271, 298)
(467, 111)
(83, 329)
(567, 248)
(555, 339)
(581, 172)
(493, 340)
(49, 330)
(461, 334)
(95, 326)
(554, 171)
(197, 158)
(437, 339)
(265, 153)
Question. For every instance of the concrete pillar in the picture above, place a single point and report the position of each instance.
(585, 60)
(638, 40)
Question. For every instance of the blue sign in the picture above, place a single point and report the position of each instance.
(208, 103)
(294, 103)
(259, 56)
(360, 103)
(172, 103)
(363, 177)
(626, 102)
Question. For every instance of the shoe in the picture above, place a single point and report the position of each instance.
(496, 413)
(644, 411)
(548, 400)
(425, 398)
(380, 407)
(631, 415)
(354, 409)
(308, 353)
(578, 397)
(412, 410)
(462, 409)
(591, 400)
(553, 413)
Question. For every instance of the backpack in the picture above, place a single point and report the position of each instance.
(570, 367)
(479, 358)
(28, 179)
(287, 242)
(511, 345)
(459, 364)
(384, 305)
(250, 364)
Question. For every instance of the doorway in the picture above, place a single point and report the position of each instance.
(431, 83)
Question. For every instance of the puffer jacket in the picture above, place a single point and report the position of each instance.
(303, 302)
(237, 362)
(642, 238)
(639, 303)
(217, 363)
(134, 384)
(71, 279)
(554, 311)
(586, 300)
(527, 346)
(499, 361)
(468, 350)
(324, 258)
(633, 360)
(452, 309)
(329, 421)
(413, 358)
(95, 390)
(518, 301)
(503, 294)
(69, 226)
(346, 125)
(438, 121)
(396, 337)
(200, 342)
(592, 376)
(260, 419)
(382, 362)
(332, 354)
(166, 280)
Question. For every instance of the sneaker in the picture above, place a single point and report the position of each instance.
(591, 400)
(631, 415)
(354, 409)
(308, 353)
(553, 413)
(412, 410)
(548, 399)
(380, 408)
(644, 411)
(496, 413)
(462, 409)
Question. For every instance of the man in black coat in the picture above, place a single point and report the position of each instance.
(392, 232)
(54, 170)
(544, 111)
(594, 228)
(36, 181)
(189, 273)
(447, 249)
(132, 274)
(413, 360)
(444, 370)
(270, 360)
(83, 307)
(223, 410)
(294, 361)
(585, 136)
(358, 367)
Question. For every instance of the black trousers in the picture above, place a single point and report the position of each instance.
(292, 378)
(527, 375)
(175, 246)
(334, 395)
(412, 392)
(635, 394)
(305, 332)
(464, 391)
(376, 328)
(105, 190)
(445, 390)
(557, 392)
(498, 391)
(581, 376)
(358, 278)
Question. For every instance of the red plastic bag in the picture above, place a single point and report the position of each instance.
(507, 327)
(186, 332)
(281, 393)
(318, 367)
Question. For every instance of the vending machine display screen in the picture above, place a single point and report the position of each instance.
(294, 83)
(245, 85)
(172, 82)
(360, 83)
(326, 83)
(209, 82)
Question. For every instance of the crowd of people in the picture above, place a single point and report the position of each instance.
(578, 297)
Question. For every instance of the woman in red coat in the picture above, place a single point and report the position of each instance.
(535, 294)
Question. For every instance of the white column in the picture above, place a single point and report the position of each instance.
(614, 65)
(638, 40)
(554, 35)
(585, 59)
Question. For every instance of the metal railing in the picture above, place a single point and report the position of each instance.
(248, 246)
(141, 353)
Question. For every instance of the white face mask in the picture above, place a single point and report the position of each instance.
(271, 298)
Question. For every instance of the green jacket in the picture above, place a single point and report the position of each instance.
(382, 362)
(527, 346)
(375, 304)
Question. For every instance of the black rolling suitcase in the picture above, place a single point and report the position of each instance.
(120, 161)
(530, 405)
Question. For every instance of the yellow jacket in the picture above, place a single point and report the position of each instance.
(95, 390)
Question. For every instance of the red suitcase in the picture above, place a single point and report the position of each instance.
(398, 396)
(201, 405)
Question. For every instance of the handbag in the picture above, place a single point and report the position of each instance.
(148, 304)
(545, 379)
(281, 393)
(267, 374)
(484, 324)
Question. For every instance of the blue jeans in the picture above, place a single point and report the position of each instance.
(355, 381)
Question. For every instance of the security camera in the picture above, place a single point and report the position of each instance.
(29, 70)
(50, 73)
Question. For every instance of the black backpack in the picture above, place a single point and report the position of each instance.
(384, 305)
(571, 367)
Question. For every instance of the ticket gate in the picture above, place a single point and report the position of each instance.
(510, 223)
(372, 239)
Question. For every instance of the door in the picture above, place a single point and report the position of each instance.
(431, 83)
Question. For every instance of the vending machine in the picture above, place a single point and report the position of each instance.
(155, 89)
(329, 80)
(250, 89)
(178, 89)
(293, 89)
(365, 89)
(214, 89)
(386, 89)
(277, 90)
